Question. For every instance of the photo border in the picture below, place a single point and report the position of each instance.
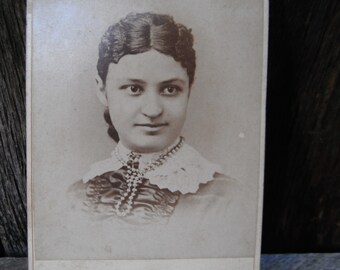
(245, 263)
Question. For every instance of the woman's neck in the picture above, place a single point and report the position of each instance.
(124, 151)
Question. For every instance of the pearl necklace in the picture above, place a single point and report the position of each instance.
(135, 175)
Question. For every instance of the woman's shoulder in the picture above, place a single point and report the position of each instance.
(221, 185)
(76, 193)
(78, 188)
(223, 195)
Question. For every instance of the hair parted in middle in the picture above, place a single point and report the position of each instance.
(141, 32)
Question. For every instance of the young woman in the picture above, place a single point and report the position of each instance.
(146, 68)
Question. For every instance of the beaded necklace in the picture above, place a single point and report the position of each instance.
(135, 175)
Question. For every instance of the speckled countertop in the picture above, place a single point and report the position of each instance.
(313, 261)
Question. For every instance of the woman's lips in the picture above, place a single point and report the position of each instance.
(151, 127)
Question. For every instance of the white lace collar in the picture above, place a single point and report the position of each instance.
(182, 172)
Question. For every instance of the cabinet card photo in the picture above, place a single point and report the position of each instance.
(145, 133)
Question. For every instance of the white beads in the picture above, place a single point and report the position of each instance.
(135, 176)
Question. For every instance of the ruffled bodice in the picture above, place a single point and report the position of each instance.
(109, 190)
(151, 203)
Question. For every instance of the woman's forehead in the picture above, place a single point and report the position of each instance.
(150, 66)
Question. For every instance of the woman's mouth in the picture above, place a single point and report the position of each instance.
(151, 126)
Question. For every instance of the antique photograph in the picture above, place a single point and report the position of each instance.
(146, 133)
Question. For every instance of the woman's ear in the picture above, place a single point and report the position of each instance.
(101, 92)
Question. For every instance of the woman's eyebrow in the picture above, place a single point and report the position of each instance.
(173, 80)
(137, 81)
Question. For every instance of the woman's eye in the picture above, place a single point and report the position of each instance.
(170, 90)
(133, 90)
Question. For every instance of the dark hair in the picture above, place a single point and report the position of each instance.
(141, 32)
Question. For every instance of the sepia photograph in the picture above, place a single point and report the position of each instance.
(146, 133)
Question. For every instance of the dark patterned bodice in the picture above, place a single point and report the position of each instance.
(150, 203)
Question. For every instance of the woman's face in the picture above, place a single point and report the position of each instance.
(147, 95)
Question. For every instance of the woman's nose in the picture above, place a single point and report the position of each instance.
(152, 106)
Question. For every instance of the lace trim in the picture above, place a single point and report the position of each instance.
(184, 172)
